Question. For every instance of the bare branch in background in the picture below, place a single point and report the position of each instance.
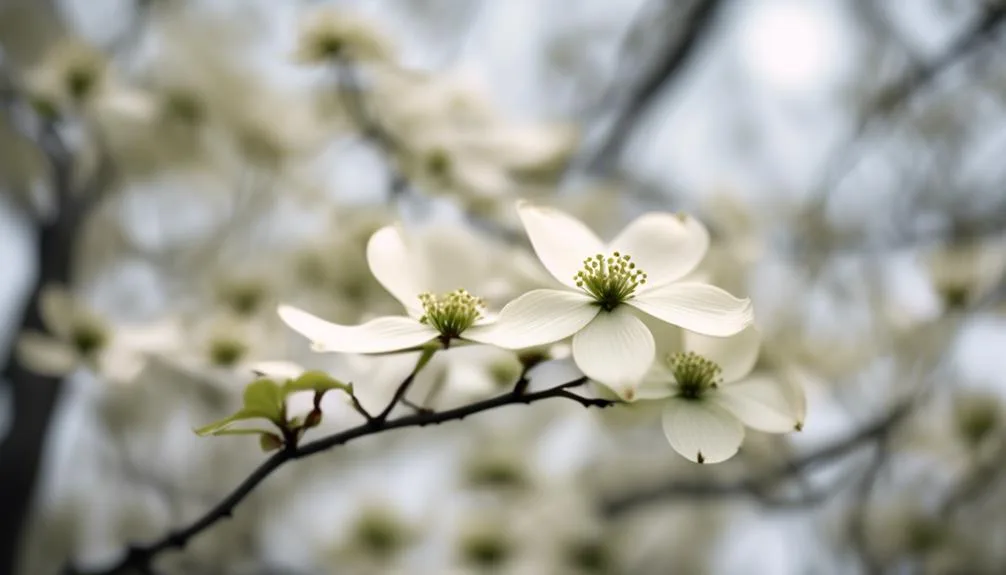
(761, 485)
(856, 527)
(34, 396)
(671, 63)
(888, 102)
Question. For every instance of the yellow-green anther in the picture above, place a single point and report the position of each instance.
(610, 280)
(451, 313)
(694, 374)
(88, 337)
(226, 352)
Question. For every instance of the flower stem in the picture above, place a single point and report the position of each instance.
(424, 358)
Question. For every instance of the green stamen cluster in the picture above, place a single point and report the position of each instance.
(88, 337)
(226, 352)
(610, 280)
(694, 374)
(589, 555)
(438, 163)
(380, 534)
(486, 549)
(451, 313)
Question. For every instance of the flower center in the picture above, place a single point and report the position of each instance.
(486, 549)
(226, 352)
(438, 164)
(694, 374)
(610, 280)
(451, 313)
(88, 338)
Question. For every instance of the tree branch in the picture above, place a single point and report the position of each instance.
(759, 486)
(140, 557)
(34, 396)
(676, 55)
(894, 96)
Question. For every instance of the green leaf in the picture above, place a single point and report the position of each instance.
(243, 431)
(266, 398)
(222, 427)
(317, 381)
(263, 399)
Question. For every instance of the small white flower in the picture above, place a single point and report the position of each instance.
(430, 288)
(219, 351)
(710, 395)
(607, 285)
(77, 337)
(332, 33)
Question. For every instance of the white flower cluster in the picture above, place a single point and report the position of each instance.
(614, 302)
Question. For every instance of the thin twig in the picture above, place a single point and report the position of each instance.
(893, 97)
(424, 358)
(677, 54)
(370, 128)
(415, 406)
(858, 517)
(359, 408)
(758, 486)
(139, 557)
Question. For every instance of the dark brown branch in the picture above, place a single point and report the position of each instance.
(403, 388)
(140, 557)
(350, 92)
(34, 396)
(856, 527)
(760, 486)
(677, 53)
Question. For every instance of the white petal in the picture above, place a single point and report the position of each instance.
(669, 339)
(701, 431)
(396, 265)
(615, 349)
(735, 354)
(792, 380)
(58, 310)
(45, 355)
(666, 246)
(701, 308)
(658, 383)
(159, 336)
(380, 335)
(536, 318)
(761, 403)
(480, 178)
(561, 241)
(120, 364)
(525, 146)
(454, 257)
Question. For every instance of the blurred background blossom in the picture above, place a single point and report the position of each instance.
(170, 171)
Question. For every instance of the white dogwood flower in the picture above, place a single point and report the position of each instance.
(76, 337)
(710, 395)
(607, 285)
(428, 285)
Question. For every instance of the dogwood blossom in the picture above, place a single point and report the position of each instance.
(709, 395)
(608, 285)
(76, 337)
(330, 33)
(428, 286)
